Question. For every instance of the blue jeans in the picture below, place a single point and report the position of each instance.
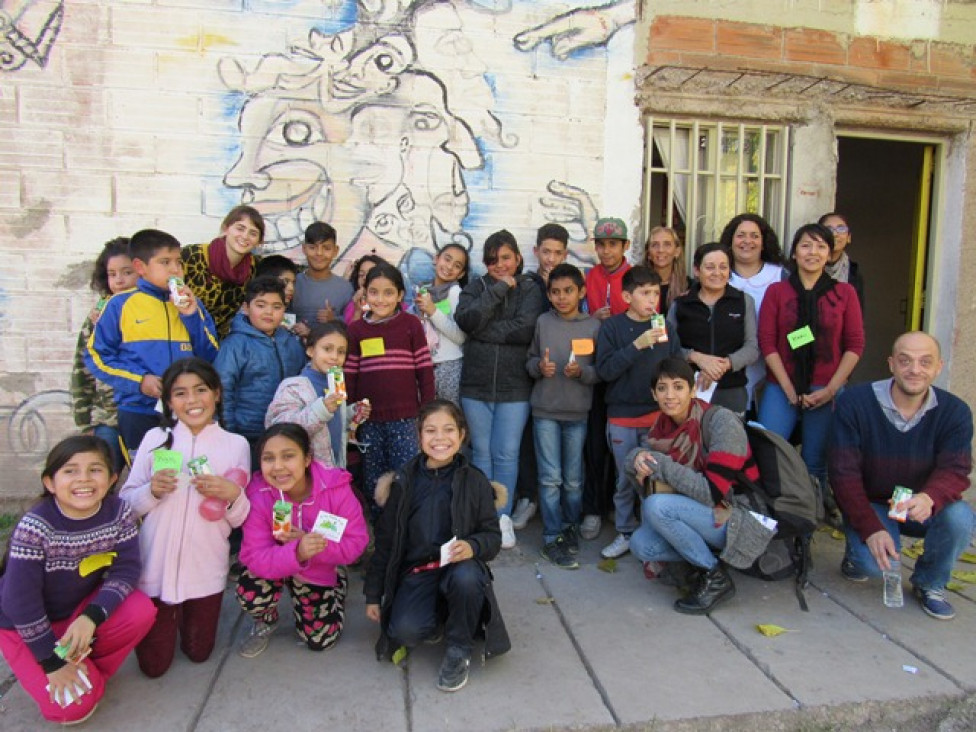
(496, 433)
(677, 527)
(559, 455)
(112, 436)
(777, 415)
(947, 534)
(622, 441)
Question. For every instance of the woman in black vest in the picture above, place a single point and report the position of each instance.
(716, 324)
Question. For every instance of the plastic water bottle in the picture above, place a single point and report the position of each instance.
(892, 584)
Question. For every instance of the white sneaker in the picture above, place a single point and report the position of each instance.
(617, 548)
(590, 528)
(523, 513)
(508, 532)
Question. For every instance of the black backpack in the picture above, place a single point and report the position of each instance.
(788, 493)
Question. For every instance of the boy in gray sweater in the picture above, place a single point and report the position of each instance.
(561, 359)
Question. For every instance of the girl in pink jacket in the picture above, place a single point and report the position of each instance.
(305, 522)
(186, 520)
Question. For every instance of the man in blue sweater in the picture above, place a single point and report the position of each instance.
(904, 432)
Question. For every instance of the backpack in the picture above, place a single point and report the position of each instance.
(788, 493)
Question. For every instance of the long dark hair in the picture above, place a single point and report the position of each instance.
(198, 367)
(494, 242)
(771, 250)
(56, 459)
(118, 247)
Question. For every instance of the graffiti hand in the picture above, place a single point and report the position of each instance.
(569, 32)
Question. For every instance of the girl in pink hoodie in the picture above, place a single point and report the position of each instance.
(186, 520)
(305, 522)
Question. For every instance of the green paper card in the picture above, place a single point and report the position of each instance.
(167, 460)
(800, 337)
(444, 306)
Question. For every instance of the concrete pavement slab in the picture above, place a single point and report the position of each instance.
(291, 687)
(159, 705)
(653, 662)
(540, 683)
(935, 642)
(832, 657)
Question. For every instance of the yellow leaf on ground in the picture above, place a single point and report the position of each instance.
(911, 552)
(771, 631)
(968, 557)
(400, 655)
(607, 565)
(969, 577)
(955, 586)
(544, 600)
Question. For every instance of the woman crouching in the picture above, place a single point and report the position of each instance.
(691, 461)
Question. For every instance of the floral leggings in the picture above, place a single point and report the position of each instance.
(319, 611)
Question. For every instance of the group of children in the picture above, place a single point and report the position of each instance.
(155, 385)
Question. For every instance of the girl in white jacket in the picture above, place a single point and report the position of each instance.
(307, 399)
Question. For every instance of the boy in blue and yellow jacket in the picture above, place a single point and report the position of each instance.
(141, 332)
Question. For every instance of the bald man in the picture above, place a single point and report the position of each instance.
(903, 431)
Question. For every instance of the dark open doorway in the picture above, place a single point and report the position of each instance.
(883, 187)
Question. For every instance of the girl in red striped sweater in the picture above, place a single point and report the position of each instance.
(389, 364)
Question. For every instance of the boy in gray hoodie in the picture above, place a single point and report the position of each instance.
(561, 359)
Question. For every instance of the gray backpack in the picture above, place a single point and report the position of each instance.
(788, 493)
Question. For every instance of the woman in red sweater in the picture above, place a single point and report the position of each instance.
(811, 335)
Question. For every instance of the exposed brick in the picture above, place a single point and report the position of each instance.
(815, 46)
(915, 83)
(662, 58)
(749, 40)
(142, 27)
(90, 231)
(949, 59)
(682, 33)
(151, 111)
(956, 87)
(878, 54)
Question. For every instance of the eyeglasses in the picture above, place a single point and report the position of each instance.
(840, 229)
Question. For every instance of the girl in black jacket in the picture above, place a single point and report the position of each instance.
(437, 531)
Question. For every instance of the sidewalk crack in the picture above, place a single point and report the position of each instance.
(579, 650)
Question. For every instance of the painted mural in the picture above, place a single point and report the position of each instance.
(408, 124)
(28, 29)
(383, 124)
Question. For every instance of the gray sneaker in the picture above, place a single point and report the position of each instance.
(257, 640)
(523, 513)
(590, 528)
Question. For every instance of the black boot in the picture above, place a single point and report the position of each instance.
(714, 587)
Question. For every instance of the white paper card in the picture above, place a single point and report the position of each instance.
(706, 394)
(182, 481)
(330, 526)
(446, 551)
(769, 523)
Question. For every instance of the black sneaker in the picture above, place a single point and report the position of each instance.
(851, 572)
(555, 552)
(454, 669)
(571, 536)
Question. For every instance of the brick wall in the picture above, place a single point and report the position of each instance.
(912, 66)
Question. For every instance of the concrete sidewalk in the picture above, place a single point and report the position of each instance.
(590, 649)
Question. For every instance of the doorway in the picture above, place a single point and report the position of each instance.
(884, 188)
